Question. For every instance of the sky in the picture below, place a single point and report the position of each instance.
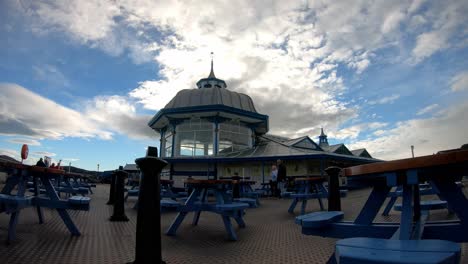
(79, 80)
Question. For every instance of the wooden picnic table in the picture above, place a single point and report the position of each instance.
(13, 203)
(307, 188)
(413, 239)
(198, 202)
(441, 170)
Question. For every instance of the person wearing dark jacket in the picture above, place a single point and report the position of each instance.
(281, 175)
(40, 163)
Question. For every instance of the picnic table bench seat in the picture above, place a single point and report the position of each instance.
(42, 191)
(427, 205)
(319, 219)
(79, 203)
(390, 251)
(169, 205)
(72, 203)
(73, 190)
(232, 206)
(14, 203)
(252, 202)
(133, 192)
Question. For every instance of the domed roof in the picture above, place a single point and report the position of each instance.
(211, 96)
(210, 100)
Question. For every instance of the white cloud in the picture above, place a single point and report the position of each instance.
(385, 100)
(352, 132)
(427, 109)
(28, 141)
(119, 115)
(11, 153)
(460, 81)
(43, 153)
(429, 43)
(70, 159)
(101, 117)
(47, 120)
(267, 53)
(448, 18)
(392, 21)
(51, 75)
(428, 135)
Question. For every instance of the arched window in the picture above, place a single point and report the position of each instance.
(194, 137)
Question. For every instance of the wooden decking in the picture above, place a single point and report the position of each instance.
(271, 236)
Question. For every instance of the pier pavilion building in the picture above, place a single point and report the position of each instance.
(211, 132)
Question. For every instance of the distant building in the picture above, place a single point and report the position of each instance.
(132, 170)
(213, 132)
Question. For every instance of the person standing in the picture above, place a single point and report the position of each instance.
(274, 181)
(281, 175)
(40, 163)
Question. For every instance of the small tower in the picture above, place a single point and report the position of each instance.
(323, 141)
(211, 81)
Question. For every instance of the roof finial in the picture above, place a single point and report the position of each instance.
(212, 75)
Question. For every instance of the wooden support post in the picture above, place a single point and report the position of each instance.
(334, 199)
(148, 228)
(119, 196)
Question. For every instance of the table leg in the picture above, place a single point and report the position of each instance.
(389, 206)
(37, 192)
(171, 231)
(62, 212)
(230, 230)
(196, 215)
(12, 226)
(456, 200)
(374, 202)
(292, 206)
(238, 217)
(304, 205)
(406, 220)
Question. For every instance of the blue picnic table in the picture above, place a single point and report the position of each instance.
(198, 202)
(12, 203)
(307, 188)
(371, 242)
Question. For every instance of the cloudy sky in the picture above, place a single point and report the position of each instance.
(79, 80)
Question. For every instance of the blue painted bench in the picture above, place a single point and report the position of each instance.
(133, 192)
(72, 203)
(389, 251)
(427, 205)
(71, 190)
(14, 203)
(232, 206)
(42, 191)
(319, 219)
(79, 203)
(252, 202)
(169, 205)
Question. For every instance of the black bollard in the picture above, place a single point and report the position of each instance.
(148, 229)
(119, 207)
(112, 190)
(334, 199)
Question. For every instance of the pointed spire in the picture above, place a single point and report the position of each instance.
(323, 141)
(212, 75)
